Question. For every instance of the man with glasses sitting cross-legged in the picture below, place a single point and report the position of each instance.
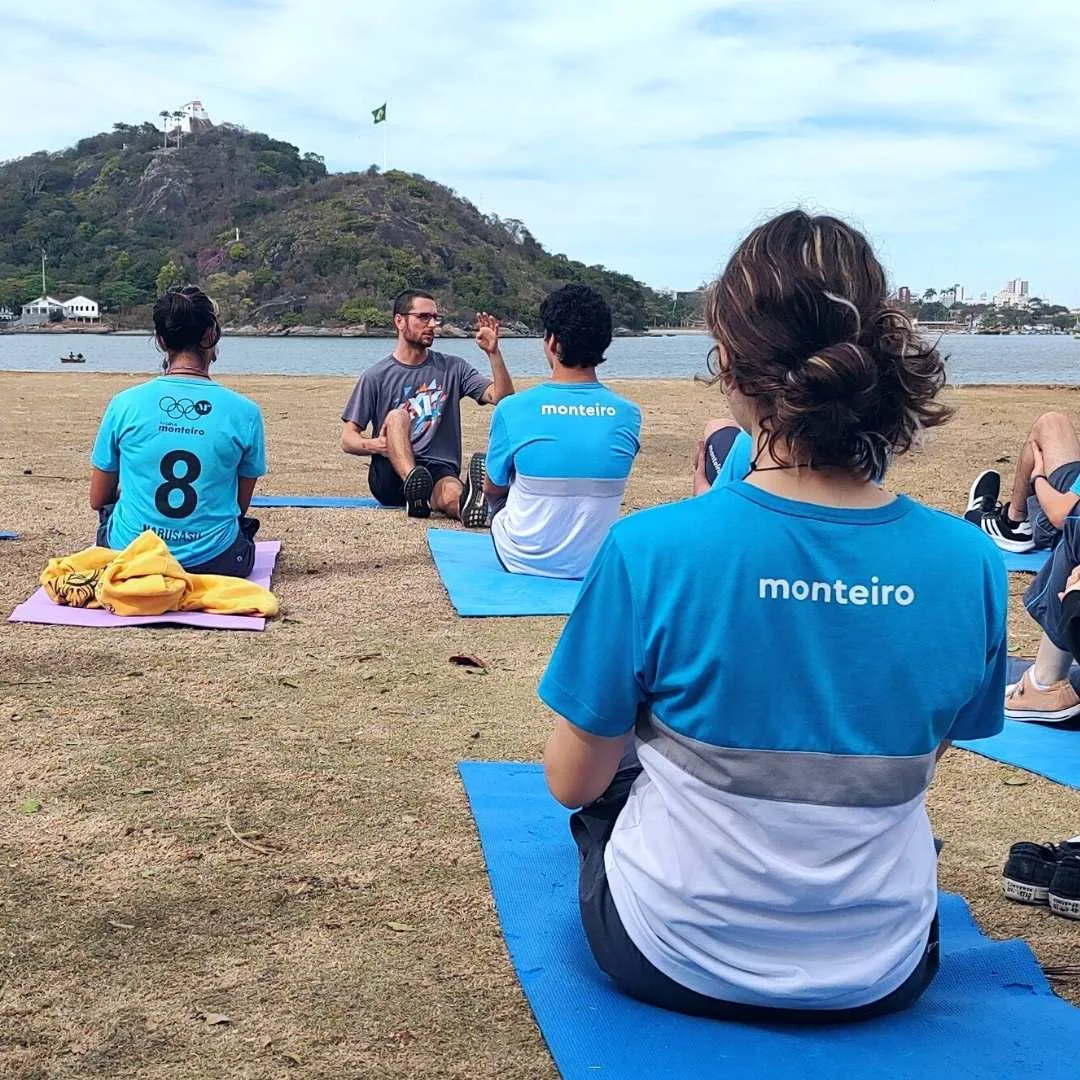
(412, 403)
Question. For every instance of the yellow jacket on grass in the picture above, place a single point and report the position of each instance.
(145, 579)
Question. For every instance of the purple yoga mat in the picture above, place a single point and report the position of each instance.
(40, 609)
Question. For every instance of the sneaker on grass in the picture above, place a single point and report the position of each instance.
(1031, 869)
(473, 506)
(1025, 701)
(1064, 894)
(418, 488)
(988, 514)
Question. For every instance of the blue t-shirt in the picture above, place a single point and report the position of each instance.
(179, 445)
(565, 450)
(791, 669)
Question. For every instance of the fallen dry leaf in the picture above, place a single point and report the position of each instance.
(467, 660)
(400, 927)
(214, 1019)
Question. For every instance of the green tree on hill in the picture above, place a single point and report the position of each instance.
(124, 217)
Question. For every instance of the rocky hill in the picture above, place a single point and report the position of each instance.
(121, 217)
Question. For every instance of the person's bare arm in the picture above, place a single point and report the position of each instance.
(354, 441)
(487, 338)
(245, 488)
(578, 766)
(104, 488)
(1056, 505)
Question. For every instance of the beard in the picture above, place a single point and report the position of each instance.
(421, 340)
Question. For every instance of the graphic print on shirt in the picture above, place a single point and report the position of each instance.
(425, 408)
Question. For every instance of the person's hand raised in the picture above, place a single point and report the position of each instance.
(487, 332)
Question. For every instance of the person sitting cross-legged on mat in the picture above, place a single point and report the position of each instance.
(412, 403)
(755, 685)
(1041, 513)
(560, 453)
(180, 455)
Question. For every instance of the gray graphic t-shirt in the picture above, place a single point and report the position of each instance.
(432, 391)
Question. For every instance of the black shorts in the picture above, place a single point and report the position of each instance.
(623, 961)
(389, 488)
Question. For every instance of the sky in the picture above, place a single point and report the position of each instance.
(647, 136)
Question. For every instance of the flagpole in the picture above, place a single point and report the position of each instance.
(384, 158)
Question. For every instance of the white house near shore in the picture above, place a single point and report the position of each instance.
(39, 310)
(77, 309)
(82, 309)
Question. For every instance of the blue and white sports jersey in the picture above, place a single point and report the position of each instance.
(179, 445)
(565, 450)
(790, 680)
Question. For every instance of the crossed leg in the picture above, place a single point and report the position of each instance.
(1056, 437)
(445, 496)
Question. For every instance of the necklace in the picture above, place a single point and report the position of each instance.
(755, 467)
(188, 371)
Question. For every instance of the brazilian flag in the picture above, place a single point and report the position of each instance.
(380, 113)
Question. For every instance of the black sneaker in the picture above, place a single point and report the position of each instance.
(418, 487)
(1065, 888)
(473, 507)
(988, 514)
(983, 496)
(1030, 868)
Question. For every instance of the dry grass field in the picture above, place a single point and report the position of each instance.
(253, 856)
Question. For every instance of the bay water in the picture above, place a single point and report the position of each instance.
(1035, 359)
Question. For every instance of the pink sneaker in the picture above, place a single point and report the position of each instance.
(1023, 701)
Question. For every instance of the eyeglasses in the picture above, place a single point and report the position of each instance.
(428, 318)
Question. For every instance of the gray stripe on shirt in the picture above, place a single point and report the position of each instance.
(570, 486)
(794, 776)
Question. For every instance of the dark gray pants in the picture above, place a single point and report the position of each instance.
(621, 959)
(237, 560)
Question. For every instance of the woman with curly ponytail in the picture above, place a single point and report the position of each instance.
(755, 685)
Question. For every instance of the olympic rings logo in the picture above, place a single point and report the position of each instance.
(184, 408)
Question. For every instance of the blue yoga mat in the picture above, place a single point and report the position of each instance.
(9, 536)
(989, 1014)
(1030, 563)
(1051, 750)
(333, 502)
(478, 585)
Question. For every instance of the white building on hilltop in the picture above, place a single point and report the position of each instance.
(82, 309)
(192, 119)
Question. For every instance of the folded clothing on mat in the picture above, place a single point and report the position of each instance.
(478, 585)
(331, 502)
(41, 609)
(985, 1015)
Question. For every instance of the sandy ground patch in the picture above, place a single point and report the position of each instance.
(364, 941)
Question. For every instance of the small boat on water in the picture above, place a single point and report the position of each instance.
(71, 358)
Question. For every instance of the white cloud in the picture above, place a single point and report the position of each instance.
(644, 136)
